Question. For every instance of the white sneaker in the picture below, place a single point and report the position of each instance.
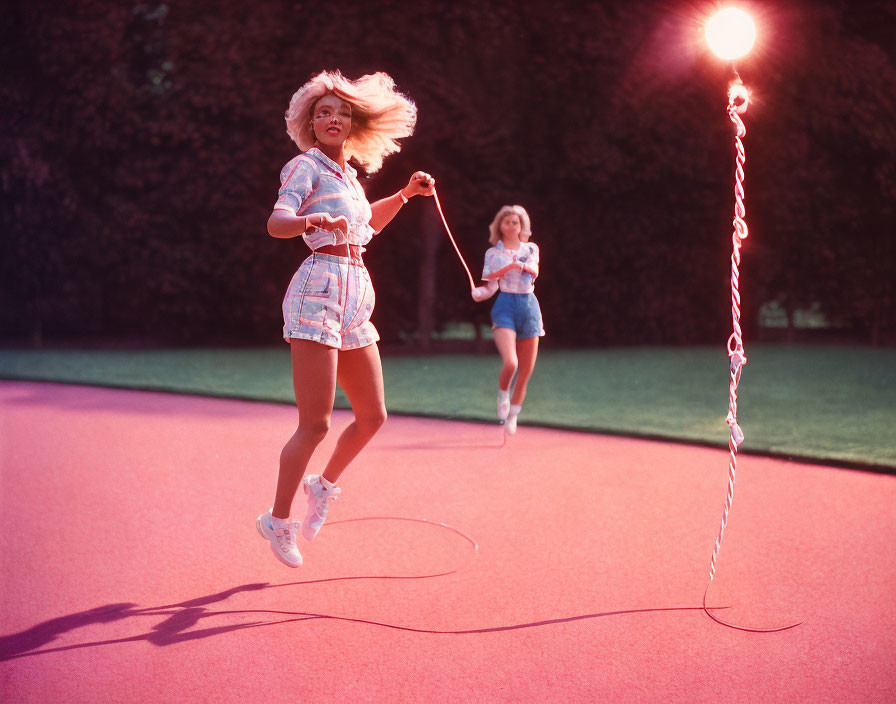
(282, 540)
(510, 423)
(319, 499)
(503, 404)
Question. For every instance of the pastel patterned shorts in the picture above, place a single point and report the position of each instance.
(520, 312)
(329, 301)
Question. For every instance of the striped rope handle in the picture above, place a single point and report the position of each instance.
(738, 99)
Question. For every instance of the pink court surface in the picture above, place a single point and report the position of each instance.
(132, 570)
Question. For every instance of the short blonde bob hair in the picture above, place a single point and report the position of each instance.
(380, 115)
(494, 229)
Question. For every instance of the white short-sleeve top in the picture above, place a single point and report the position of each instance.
(516, 280)
(314, 183)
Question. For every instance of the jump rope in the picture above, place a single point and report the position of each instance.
(738, 100)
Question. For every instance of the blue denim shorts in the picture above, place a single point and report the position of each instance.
(520, 312)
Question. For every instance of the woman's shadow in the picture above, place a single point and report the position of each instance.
(174, 629)
(185, 615)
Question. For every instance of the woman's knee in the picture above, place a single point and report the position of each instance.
(510, 364)
(315, 429)
(371, 420)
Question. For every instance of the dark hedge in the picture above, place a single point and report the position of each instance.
(141, 145)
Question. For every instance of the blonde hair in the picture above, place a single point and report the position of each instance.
(494, 229)
(380, 115)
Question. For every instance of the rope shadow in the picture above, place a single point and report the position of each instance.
(185, 615)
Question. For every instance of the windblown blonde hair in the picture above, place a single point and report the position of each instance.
(495, 228)
(380, 115)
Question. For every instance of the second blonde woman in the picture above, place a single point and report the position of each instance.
(511, 267)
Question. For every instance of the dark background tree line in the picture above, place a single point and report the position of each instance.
(141, 144)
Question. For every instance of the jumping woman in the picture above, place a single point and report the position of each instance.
(327, 307)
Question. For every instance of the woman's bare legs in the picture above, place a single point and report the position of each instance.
(360, 374)
(505, 341)
(526, 351)
(314, 381)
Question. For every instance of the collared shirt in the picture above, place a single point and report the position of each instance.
(515, 280)
(314, 183)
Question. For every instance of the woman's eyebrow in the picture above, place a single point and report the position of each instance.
(343, 107)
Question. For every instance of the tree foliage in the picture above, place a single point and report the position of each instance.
(141, 144)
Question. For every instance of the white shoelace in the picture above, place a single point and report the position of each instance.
(322, 503)
(286, 537)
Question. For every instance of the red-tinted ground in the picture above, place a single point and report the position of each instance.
(131, 568)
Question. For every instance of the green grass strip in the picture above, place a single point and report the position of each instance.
(833, 404)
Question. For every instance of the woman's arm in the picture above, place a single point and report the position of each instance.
(283, 224)
(487, 290)
(295, 188)
(384, 210)
(495, 275)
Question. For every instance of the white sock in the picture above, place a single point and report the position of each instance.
(503, 395)
(515, 409)
(279, 523)
(328, 485)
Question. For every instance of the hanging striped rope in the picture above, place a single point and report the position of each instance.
(736, 355)
(738, 99)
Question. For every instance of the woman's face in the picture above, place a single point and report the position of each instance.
(510, 226)
(332, 120)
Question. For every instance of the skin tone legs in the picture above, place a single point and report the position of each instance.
(505, 340)
(316, 369)
(360, 374)
(517, 355)
(526, 352)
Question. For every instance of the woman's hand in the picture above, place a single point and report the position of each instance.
(520, 263)
(487, 290)
(421, 184)
(325, 222)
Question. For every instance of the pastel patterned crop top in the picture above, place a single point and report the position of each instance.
(314, 183)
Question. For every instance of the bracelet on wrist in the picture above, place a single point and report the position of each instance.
(403, 197)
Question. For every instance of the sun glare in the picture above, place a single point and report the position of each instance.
(730, 33)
